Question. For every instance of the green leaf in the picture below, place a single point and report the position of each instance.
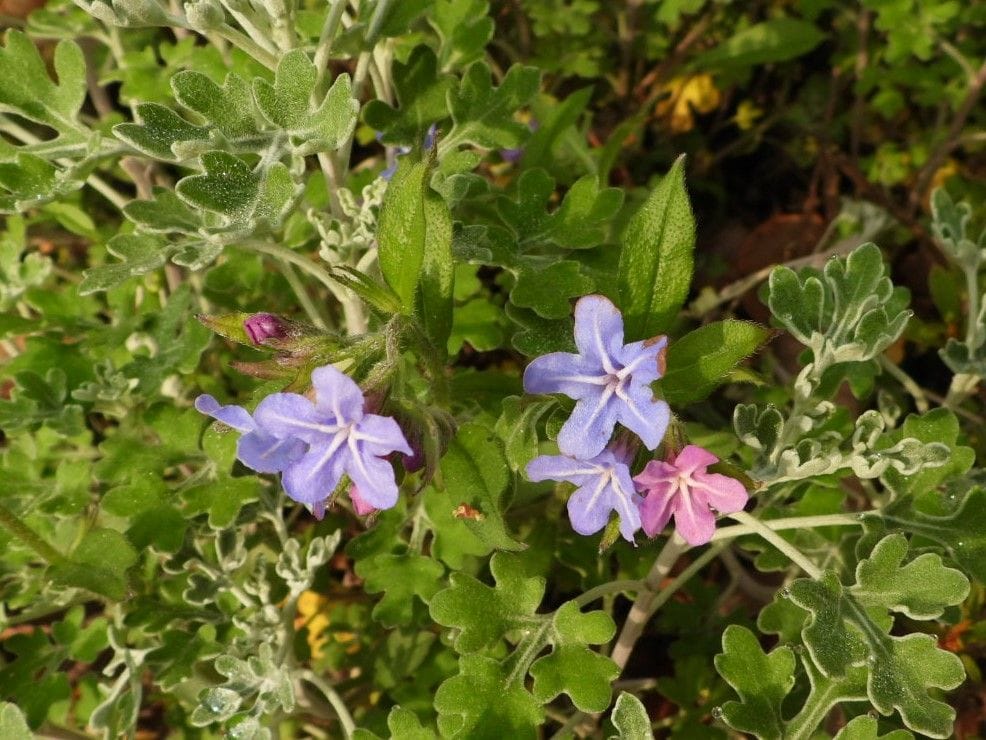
(538, 152)
(848, 628)
(867, 728)
(437, 279)
(230, 108)
(938, 426)
(421, 96)
(476, 473)
(950, 226)
(222, 499)
(481, 704)
(538, 336)
(703, 359)
(571, 667)
(517, 427)
(400, 577)
(762, 681)
(655, 270)
(921, 589)
(246, 198)
(630, 719)
(483, 115)
(478, 323)
(548, 291)
(776, 40)
(960, 531)
(578, 223)
(13, 726)
(99, 564)
(849, 312)
(28, 91)
(161, 133)
(403, 230)
(483, 614)
(140, 254)
(287, 104)
(464, 27)
(403, 725)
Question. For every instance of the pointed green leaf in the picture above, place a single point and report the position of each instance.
(655, 271)
(630, 719)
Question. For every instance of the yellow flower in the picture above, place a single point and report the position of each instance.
(944, 173)
(687, 96)
(312, 616)
(747, 114)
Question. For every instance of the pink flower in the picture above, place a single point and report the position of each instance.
(684, 489)
(361, 506)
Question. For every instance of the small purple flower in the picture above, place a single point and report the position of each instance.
(604, 486)
(684, 489)
(515, 155)
(313, 444)
(609, 379)
(262, 326)
(427, 143)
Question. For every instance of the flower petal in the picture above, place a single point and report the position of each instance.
(642, 360)
(639, 412)
(563, 372)
(268, 454)
(290, 415)
(598, 330)
(693, 520)
(655, 474)
(589, 507)
(374, 477)
(360, 505)
(724, 494)
(336, 394)
(381, 435)
(656, 508)
(588, 429)
(561, 468)
(315, 476)
(626, 502)
(693, 457)
(235, 417)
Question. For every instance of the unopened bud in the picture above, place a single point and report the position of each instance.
(263, 326)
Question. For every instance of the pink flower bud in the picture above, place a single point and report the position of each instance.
(263, 326)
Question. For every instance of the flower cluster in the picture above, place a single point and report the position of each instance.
(313, 444)
(610, 382)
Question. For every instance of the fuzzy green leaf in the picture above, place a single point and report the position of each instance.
(480, 704)
(776, 40)
(548, 291)
(656, 262)
(702, 359)
(287, 104)
(571, 667)
(421, 93)
(483, 115)
(630, 719)
(400, 577)
(483, 614)
(867, 728)
(762, 681)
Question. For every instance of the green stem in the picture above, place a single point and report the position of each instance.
(27, 536)
(302, 295)
(794, 522)
(793, 554)
(686, 575)
(332, 696)
(247, 44)
(326, 38)
(376, 21)
(608, 588)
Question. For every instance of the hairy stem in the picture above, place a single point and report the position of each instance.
(27, 536)
(641, 609)
(332, 696)
(793, 554)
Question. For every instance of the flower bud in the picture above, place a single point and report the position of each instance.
(263, 326)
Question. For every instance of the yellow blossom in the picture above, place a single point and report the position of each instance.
(747, 113)
(687, 96)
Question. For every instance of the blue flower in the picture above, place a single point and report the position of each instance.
(604, 485)
(400, 151)
(313, 445)
(609, 380)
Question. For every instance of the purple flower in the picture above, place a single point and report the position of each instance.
(684, 489)
(604, 486)
(262, 326)
(426, 144)
(609, 379)
(313, 444)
